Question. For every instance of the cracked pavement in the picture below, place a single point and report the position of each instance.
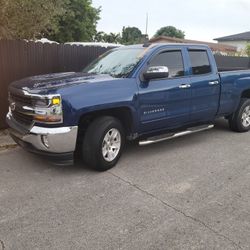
(189, 193)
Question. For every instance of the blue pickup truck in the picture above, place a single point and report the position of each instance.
(148, 93)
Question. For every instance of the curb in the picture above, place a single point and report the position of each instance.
(8, 146)
(6, 141)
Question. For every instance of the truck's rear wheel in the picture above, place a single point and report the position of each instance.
(240, 120)
(103, 143)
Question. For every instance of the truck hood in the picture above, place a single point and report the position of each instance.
(44, 83)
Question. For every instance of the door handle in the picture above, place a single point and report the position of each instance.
(214, 83)
(184, 86)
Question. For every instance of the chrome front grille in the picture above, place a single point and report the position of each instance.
(27, 109)
(24, 119)
(17, 102)
(21, 99)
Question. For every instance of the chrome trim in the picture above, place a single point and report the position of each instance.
(158, 69)
(174, 135)
(50, 131)
(60, 140)
(184, 86)
(26, 93)
(214, 83)
(23, 129)
(48, 110)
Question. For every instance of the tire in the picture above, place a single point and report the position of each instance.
(100, 141)
(238, 120)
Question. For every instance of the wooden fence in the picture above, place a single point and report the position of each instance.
(19, 59)
(232, 62)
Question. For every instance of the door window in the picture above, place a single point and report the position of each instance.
(172, 59)
(199, 62)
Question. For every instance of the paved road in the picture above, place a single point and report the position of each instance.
(189, 193)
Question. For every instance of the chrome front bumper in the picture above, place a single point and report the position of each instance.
(52, 140)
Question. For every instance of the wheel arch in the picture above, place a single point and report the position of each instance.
(245, 93)
(124, 114)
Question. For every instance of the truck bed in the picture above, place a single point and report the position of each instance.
(226, 69)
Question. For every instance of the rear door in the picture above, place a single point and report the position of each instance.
(205, 82)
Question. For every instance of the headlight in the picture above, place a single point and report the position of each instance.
(52, 113)
(41, 102)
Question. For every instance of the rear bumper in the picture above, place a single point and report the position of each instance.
(56, 144)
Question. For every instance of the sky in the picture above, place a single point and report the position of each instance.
(201, 20)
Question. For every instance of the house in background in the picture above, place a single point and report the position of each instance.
(239, 40)
(215, 47)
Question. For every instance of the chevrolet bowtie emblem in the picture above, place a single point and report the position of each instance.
(12, 106)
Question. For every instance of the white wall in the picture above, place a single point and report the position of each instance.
(241, 45)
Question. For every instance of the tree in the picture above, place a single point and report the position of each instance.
(248, 49)
(107, 38)
(113, 38)
(99, 36)
(170, 31)
(28, 19)
(131, 35)
(78, 23)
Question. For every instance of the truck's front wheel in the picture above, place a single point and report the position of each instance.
(240, 120)
(103, 143)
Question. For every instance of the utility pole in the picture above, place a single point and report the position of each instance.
(146, 24)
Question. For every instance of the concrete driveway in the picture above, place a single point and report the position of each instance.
(189, 193)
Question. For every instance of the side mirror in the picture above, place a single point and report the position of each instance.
(156, 72)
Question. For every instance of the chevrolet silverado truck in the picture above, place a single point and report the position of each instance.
(148, 93)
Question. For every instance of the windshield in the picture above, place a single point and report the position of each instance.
(117, 63)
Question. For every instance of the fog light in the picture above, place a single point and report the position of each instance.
(45, 141)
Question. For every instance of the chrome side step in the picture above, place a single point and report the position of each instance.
(169, 136)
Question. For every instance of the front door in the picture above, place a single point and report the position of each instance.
(165, 103)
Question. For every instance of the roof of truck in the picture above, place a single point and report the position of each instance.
(158, 45)
(213, 46)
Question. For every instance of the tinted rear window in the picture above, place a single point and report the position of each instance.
(199, 62)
